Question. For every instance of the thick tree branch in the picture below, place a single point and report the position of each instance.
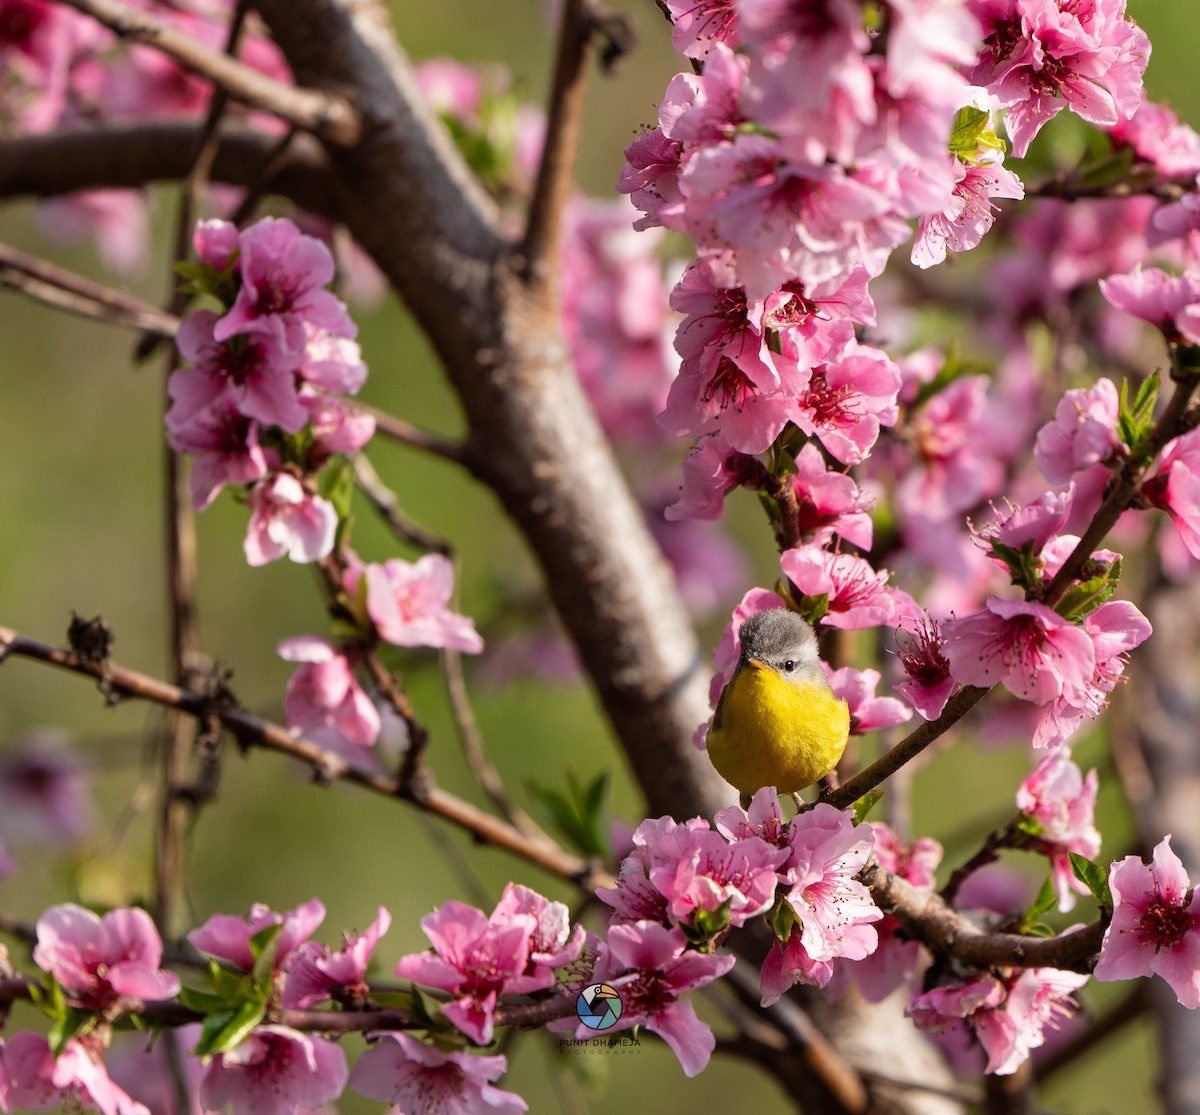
(327, 116)
(136, 155)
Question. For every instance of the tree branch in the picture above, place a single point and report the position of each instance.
(329, 117)
(56, 286)
(135, 155)
(118, 681)
(945, 932)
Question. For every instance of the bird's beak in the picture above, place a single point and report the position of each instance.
(757, 664)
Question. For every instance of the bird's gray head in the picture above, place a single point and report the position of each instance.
(783, 641)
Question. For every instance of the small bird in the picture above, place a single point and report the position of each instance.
(778, 722)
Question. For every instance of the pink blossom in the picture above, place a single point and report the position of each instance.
(257, 370)
(815, 328)
(553, 943)
(44, 790)
(697, 869)
(968, 213)
(1159, 137)
(1061, 803)
(337, 426)
(33, 1079)
(1176, 488)
(651, 177)
(143, 1066)
(828, 502)
(315, 973)
(615, 317)
(701, 23)
(846, 403)
(116, 219)
(421, 1079)
(331, 362)
(323, 701)
(868, 713)
(761, 819)
(1155, 927)
(834, 910)
(286, 518)
(651, 966)
(919, 643)
(954, 466)
(99, 960)
(228, 938)
(476, 959)
(1009, 1018)
(1040, 56)
(1115, 628)
(283, 273)
(216, 242)
(858, 596)
(35, 49)
(452, 88)
(710, 472)
(407, 603)
(222, 441)
(1036, 653)
(274, 1071)
(1083, 433)
(1171, 303)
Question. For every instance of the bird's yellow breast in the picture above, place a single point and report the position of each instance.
(772, 732)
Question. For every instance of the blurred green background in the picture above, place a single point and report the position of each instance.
(81, 523)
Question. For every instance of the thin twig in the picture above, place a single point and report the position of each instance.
(486, 775)
(120, 681)
(330, 118)
(384, 500)
(400, 430)
(65, 290)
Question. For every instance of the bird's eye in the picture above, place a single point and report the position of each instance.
(790, 665)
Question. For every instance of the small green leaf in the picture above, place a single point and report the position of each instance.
(1038, 929)
(264, 947)
(1046, 900)
(704, 925)
(971, 134)
(1084, 598)
(72, 1023)
(1136, 419)
(202, 1001)
(1093, 876)
(866, 803)
(812, 608)
(580, 813)
(225, 1030)
(782, 919)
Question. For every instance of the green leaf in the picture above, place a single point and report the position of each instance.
(71, 1024)
(1093, 876)
(264, 947)
(225, 1030)
(1084, 598)
(866, 803)
(782, 919)
(971, 134)
(812, 608)
(1136, 419)
(1046, 900)
(580, 813)
(205, 1002)
(704, 925)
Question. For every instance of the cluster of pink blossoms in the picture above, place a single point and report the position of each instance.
(107, 964)
(686, 883)
(276, 362)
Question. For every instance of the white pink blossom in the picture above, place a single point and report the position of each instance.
(275, 1071)
(323, 700)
